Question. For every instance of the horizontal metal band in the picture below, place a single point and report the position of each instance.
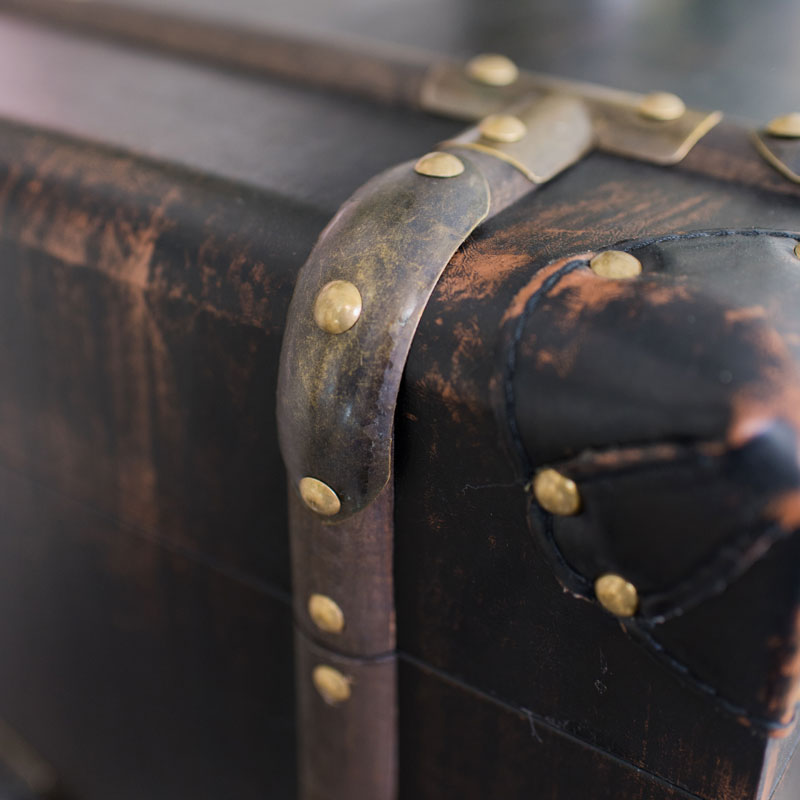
(337, 391)
(624, 123)
(545, 136)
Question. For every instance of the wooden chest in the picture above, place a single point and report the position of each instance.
(535, 388)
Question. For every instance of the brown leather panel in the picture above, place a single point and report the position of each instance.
(348, 750)
(350, 562)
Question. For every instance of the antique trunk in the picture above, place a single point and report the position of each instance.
(377, 424)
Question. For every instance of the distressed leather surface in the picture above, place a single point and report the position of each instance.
(171, 564)
(479, 596)
(672, 400)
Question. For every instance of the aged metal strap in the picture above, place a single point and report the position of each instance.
(356, 306)
(657, 127)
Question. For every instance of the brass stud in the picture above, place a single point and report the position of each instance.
(439, 165)
(502, 128)
(325, 613)
(662, 106)
(556, 493)
(617, 595)
(333, 686)
(319, 497)
(492, 69)
(797, 249)
(337, 307)
(616, 264)
(786, 126)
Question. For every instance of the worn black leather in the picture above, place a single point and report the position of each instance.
(671, 399)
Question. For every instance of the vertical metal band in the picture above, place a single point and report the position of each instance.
(337, 390)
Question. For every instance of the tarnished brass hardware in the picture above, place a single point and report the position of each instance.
(617, 120)
(325, 613)
(662, 106)
(556, 493)
(333, 686)
(786, 126)
(559, 133)
(319, 497)
(617, 595)
(797, 249)
(392, 240)
(439, 165)
(492, 69)
(337, 307)
(502, 128)
(616, 264)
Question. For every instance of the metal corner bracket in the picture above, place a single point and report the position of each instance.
(361, 294)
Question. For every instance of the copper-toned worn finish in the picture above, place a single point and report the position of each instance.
(468, 540)
(392, 239)
(444, 432)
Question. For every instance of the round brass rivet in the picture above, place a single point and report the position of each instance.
(325, 613)
(787, 126)
(319, 497)
(797, 249)
(556, 493)
(439, 165)
(617, 595)
(333, 686)
(502, 128)
(337, 307)
(616, 264)
(662, 106)
(492, 69)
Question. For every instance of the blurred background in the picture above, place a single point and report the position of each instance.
(737, 55)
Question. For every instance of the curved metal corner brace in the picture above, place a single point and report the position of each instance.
(337, 392)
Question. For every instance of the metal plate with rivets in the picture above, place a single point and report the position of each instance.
(624, 122)
(337, 392)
